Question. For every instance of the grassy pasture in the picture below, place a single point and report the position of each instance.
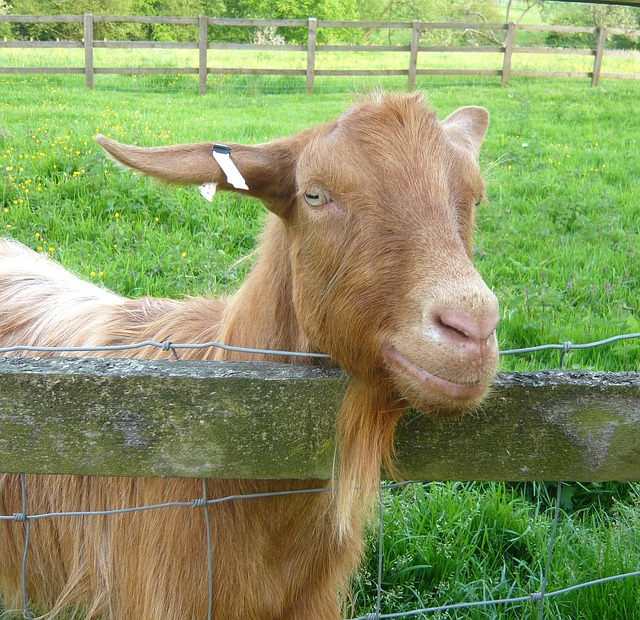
(558, 240)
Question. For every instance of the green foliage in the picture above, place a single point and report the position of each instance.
(594, 16)
(475, 11)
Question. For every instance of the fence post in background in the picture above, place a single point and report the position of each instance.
(88, 49)
(508, 51)
(597, 64)
(311, 53)
(413, 54)
(203, 46)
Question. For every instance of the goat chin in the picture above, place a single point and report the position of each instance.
(433, 394)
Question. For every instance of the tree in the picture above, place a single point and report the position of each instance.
(337, 10)
(4, 9)
(593, 15)
(482, 11)
(529, 4)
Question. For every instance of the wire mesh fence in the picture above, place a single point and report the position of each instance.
(537, 597)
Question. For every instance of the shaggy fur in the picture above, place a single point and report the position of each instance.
(377, 273)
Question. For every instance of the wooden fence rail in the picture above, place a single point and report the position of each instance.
(263, 420)
(202, 43)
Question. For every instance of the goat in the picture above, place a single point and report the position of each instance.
(365, 256)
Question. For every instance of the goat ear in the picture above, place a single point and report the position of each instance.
(268, 169)
(467, 127)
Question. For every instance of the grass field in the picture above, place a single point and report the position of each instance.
(558, 240)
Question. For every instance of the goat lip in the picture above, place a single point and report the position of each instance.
(453, 390)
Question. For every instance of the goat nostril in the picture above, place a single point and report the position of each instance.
(464, 327)
(452, 329)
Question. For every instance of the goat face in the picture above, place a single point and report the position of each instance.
(376, 212)
(381, 252)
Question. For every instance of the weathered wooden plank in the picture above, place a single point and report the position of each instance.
(413, 55)
(250, 71)
(224, 419)
(597, 63)
(257, 23)
(156, 45)
(568, 51)
(460, 72)
(88, 50)
(47, 70)
(363, 48)
(203, 43)
(624, 32)
(361, 72)
(258, 47)
(145, 71)
(622, 53)
(312, 31)
(483, 49)
(509, 42)
(461, 26)
(564, 29)
(323, 23)
(41, 19)
(41, 44)
(144, 19)
(620, 76)
(553, 74)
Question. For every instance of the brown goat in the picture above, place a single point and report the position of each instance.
(366, 256)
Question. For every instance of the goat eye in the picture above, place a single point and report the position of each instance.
(316, 197)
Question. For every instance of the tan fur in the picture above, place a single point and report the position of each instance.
(380, 278)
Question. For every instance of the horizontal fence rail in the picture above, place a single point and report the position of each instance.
(268, 420)
(202, 42)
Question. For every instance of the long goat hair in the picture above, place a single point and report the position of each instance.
(365, 256)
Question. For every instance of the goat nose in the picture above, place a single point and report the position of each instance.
(465, 328)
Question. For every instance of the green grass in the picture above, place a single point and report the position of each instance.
(558, 241)
(447, 543)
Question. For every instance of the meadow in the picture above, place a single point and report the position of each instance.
(558, 239)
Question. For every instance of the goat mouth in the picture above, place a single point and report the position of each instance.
(450, 390)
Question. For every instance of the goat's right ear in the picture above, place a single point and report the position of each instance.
(268, 169)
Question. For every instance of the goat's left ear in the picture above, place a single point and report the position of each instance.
(267, 169)
(467, 127)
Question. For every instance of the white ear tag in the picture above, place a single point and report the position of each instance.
(222, 154)
(208, 191)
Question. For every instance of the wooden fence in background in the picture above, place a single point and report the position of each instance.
(263, 420)
(202, 43)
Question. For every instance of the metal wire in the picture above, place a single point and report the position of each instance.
(552, 540)
(25, 555)
(207, 522)
(570, 346)
(167, 345)
(202, 502)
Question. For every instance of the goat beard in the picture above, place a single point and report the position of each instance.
(366, 426)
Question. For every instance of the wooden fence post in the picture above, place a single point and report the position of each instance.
(203, 46)
(413, 54)
(311, 53)
(88, 50)
(597, 64)
(508, 51)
